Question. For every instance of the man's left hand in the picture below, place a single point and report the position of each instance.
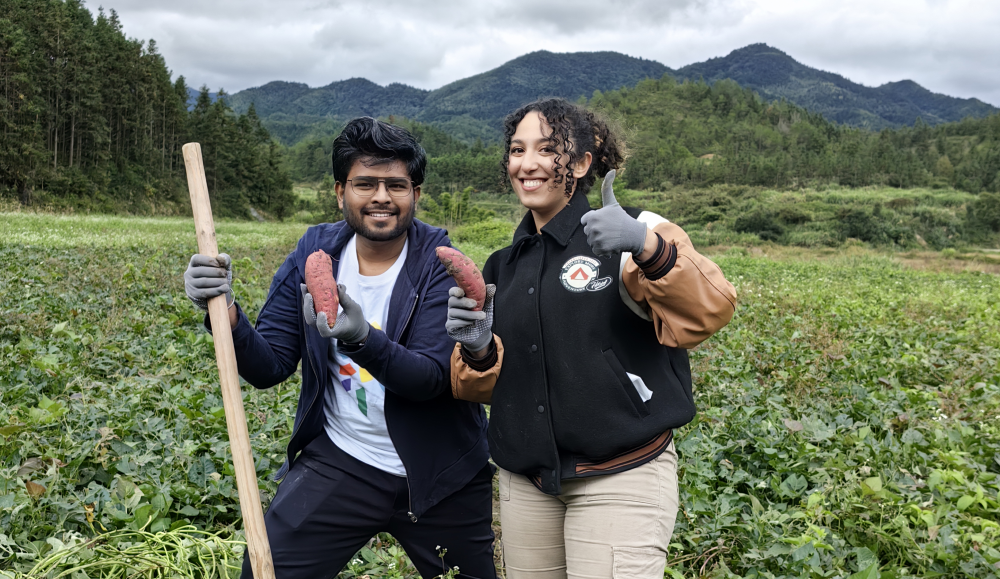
(350, 326)
(610, 230)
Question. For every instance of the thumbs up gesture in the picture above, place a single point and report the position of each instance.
(609, 229)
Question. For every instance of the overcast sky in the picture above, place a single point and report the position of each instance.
(948, 46)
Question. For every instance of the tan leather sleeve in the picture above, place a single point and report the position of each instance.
(691, 302)
(472, 385)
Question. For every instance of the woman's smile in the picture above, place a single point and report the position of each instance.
(529, 185)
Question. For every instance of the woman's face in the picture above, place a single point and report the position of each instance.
(531, 166)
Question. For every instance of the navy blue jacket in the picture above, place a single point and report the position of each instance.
(440, 440)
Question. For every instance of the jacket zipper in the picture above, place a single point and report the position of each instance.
(409, 493)
(406, 323)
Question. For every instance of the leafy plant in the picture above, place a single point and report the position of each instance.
(848, 416)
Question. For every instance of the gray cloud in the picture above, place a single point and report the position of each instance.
(948, 46)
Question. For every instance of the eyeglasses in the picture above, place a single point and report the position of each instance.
(367, 186)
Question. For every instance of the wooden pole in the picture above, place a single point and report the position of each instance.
(259, 549)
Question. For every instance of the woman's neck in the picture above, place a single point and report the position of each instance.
(543, 216)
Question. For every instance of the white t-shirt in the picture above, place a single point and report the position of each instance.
(355, 401)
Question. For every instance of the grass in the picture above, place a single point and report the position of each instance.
(119, 232)
(849, 416)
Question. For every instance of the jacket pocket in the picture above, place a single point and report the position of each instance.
(625, 383)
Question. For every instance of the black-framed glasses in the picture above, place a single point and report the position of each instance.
(367, 186)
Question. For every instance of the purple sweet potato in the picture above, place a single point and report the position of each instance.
(466, 274)
(321, 285)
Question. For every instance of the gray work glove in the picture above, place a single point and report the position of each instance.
(208, 277)
(473, 329)
(350, 327)
(610, 230)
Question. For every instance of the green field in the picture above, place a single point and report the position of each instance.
(827, 216)
(849, 415)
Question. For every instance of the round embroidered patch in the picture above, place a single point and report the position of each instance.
(579, 272)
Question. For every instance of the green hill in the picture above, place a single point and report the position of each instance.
(473, 107)
(346, 98)
(693, 133)
(775, 75)
(468, 109)
(490, 96)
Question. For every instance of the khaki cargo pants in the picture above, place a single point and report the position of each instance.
(615, 526)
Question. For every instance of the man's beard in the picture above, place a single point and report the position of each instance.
(355, 219)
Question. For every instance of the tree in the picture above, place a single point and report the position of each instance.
(91, 118)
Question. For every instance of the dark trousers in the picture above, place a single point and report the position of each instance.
(330, 504)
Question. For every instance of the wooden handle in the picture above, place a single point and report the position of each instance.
(258, 547)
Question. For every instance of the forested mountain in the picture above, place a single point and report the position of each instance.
(90, 119)
(346, 98)
(695, 134)
(775, 75)
(473, 107)
(468, 109)
(490, 96)
(699, 134)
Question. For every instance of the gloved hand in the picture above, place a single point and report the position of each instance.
(207, 277)
(473, 329)
(610, 230)
(350, 327)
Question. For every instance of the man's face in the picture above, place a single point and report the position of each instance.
(380, 216)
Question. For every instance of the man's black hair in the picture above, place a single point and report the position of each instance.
(374, 142)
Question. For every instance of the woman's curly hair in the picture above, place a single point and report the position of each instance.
(575, 132)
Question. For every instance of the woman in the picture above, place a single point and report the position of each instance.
(586, 367)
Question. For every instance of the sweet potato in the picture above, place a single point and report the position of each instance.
(466, 274)
(321, 285)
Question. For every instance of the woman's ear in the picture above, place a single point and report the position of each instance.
(582, 166)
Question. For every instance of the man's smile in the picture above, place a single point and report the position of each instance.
(380, 215)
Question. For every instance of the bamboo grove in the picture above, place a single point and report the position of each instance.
(90, 120)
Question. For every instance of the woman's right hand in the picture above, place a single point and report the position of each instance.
(474, 330)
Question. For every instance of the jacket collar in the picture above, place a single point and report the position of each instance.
(560, 228)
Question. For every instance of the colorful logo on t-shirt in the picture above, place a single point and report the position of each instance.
(348, 372)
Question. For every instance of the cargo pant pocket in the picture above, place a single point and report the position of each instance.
(503, 483)
(638, 563)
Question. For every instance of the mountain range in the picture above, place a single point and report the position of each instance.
(775, 75)
(474, 107)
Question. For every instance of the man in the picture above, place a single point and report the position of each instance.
(379, 443)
